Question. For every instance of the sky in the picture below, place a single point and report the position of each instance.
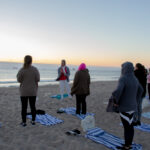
(97, 32)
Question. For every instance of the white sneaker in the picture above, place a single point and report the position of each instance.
(70, 97)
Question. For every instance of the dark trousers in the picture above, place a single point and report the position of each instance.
(149, 90)
(80, 102)
(128, 132)
(24, 102)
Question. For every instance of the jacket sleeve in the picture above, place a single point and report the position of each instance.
(89, 79)
(37, 77)
(75, 82)
(20, 76)
(59, 74)
(118, 92)
(140, 91)
(68, 72)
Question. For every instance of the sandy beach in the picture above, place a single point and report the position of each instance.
(40, 137)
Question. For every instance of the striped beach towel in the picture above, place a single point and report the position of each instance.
(72, 111)
(146, 115)
(46, 119)
(100, 136)
(143, 127)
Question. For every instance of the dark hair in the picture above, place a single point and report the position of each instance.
(63, 61)
(141, 67)
(27, 61)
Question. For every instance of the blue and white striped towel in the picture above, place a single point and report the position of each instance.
(143, 127)
(146, 115)
(72, 111)
(46, 119)
(100, 136)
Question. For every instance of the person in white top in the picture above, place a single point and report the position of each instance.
(63, 78)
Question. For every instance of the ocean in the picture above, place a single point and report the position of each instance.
(48, 73)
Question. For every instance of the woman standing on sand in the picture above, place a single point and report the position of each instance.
(127, 97)
(63, 78)
(80, 88)
(140, 73)
(28, 77)
(148, 82)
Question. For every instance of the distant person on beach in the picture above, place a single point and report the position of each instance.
(148, 83)
(81, 88)
(127, 97)
(140, 73)
(28, 77)
(63, 78)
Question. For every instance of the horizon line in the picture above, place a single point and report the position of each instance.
(38, 62)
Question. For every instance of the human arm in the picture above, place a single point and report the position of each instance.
(37, 75)
(75, 83)
(119, 90)
(20, 76)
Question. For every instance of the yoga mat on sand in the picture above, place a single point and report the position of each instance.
(72, 111)
(146, 115)
(46, 119)
(143, 127)
(100, 136)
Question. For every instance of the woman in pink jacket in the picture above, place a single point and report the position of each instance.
(148, 82)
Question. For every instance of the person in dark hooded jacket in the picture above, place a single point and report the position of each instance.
(141, 75)
(127, 96)
(81, 88)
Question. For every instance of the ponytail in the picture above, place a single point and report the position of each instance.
(27, 61)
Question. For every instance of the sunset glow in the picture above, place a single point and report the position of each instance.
(98, 32)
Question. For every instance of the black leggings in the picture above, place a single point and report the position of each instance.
(149, 90)
(80, 101)
(128, 132)
(24, 102)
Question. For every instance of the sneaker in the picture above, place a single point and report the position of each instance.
(23, 124)
(33, 122)
(73, 132)
(59, 111)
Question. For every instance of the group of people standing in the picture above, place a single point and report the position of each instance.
(29, 76)
(128, 95)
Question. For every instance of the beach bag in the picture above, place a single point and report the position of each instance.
(111, 107)
(88, 123)
(40, 112)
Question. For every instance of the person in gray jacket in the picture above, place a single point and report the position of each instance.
(63, 78)
(127, 97)
(28, 77)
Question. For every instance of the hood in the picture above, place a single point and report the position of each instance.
(127, 68)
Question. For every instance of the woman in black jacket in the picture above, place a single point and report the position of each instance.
(81, 88)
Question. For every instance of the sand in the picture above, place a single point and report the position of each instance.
(39, 137)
